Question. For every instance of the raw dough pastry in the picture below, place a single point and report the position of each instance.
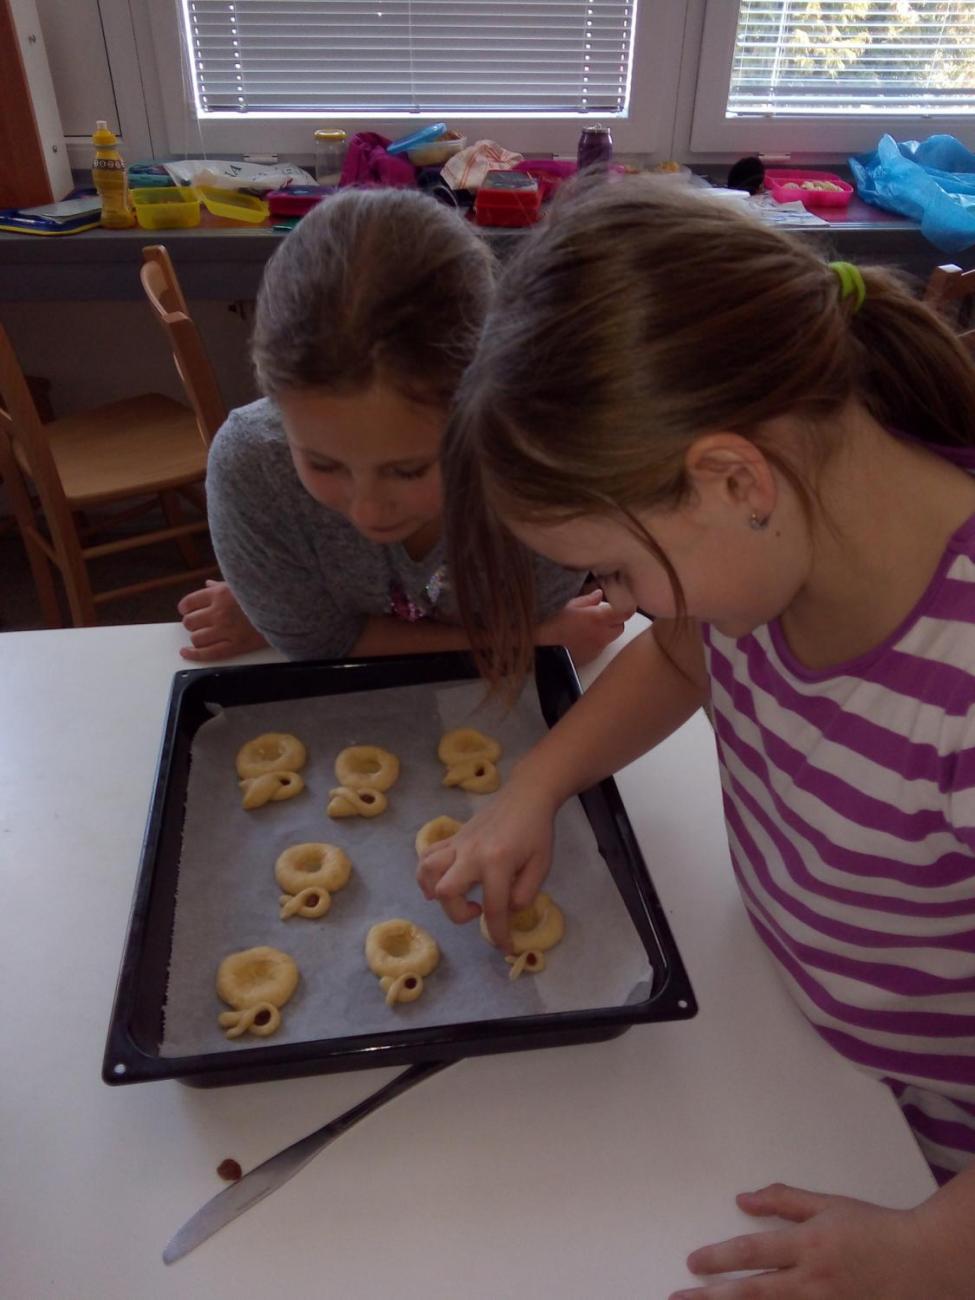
(465, 742)
(310, 902)
(478, 775)
(256, 982)
(272, 786)
(533, 930)
(321, 866)
(401, 953)
(432, 832)
(275, 751)
(470, 759)
(310, 874)
(367, 767)
(346, 802)
(532, 960)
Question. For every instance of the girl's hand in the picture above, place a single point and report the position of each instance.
(218, 627)
(506, 848)
(841, 1249)
(585, 626)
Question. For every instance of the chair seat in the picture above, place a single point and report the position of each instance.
(135, 447)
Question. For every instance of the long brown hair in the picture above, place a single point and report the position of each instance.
(635, 321)
(373, 286)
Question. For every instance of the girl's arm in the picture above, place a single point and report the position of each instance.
(654, 685)
(585, 626)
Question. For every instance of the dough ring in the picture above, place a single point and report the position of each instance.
(312, 866)
(256, 982)
(465, 742)
(432, 832)
(401, 953)
(535, 928)
(478, 775)
(272, 786)
(275, 751)
(346, 802)
(366, 767)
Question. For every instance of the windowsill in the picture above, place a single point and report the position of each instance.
(223, 260)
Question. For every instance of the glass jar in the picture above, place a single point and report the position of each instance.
(595, 147)
(330, 147)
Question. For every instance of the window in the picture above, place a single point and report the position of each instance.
(390, 57)
(833, 74)
(263, 74)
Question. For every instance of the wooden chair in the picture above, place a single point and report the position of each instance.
(192, 363)
(126, 451)
(952, 291)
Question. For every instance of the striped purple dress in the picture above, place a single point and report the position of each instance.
(849, 797)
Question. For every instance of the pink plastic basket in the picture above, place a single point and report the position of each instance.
(785, 187)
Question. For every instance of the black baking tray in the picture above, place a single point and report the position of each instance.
(136, 1028)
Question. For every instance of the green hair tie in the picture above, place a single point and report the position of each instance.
(851, 282)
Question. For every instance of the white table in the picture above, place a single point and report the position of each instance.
(571, 1173)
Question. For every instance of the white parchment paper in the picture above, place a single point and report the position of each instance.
(227, 897)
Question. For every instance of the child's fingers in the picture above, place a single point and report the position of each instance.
(529, 881)
(433, 862)
(587, 599)
(195, 600)
(460, 910)
(497, 908)
(456, 880)
(198, 620)
(793, 1203)
(204, 654)
(757, 1250)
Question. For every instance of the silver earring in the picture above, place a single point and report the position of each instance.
(756, 523)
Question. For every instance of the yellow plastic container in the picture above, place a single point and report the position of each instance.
(233, 205)
(166, 207)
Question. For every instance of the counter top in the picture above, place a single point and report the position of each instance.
(224, 261)
(568, 1173)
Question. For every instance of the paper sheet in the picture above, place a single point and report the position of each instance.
(227, 897)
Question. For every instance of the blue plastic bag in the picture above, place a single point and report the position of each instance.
(931, 180)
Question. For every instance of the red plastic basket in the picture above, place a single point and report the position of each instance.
(786, 187)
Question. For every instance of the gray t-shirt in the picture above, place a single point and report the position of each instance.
(303, 575)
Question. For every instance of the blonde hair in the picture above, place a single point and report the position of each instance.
(381, 285)
(636, 321)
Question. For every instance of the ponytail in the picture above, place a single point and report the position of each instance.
(913, 375)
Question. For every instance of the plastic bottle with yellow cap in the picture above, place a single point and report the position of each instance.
(109, 178)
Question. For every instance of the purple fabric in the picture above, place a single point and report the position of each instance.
(368, 163)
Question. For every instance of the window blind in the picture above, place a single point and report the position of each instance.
(280, 57)
(836, 57)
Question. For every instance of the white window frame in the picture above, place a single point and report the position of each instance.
(646, 129)
(712, 132)
(132, 97)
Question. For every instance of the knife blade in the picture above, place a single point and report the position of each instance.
(265, 1178)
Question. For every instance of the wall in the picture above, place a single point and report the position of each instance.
(101, 352)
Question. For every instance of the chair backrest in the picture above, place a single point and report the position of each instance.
(28, 438)
(192, 363)
(952, 292)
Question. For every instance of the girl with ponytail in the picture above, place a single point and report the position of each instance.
(772, 456)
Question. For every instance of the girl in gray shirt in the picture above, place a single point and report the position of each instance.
(324, 498)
